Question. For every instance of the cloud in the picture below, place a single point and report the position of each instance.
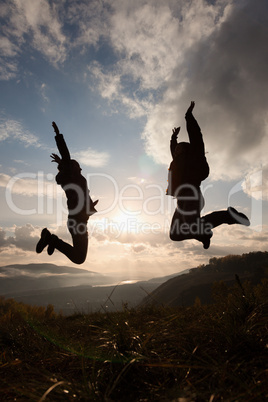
(143, 34)
(12, 129)
(90, 157)
(142, 37)
(171, 53)
(151, 39)
(110, 87)
(138, 248)
(8, 68)
(138, 234)
(40, 26)
(21, 162)
(3, 240)
(43, 89)
(27, 23)
(37, 21)
(137, 255)
(256, 183)
(225, 74)
(89, 20)
(24, 238)
(28, 184)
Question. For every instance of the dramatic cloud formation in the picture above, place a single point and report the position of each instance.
(212, 53)
(126, 72)
(218, 59)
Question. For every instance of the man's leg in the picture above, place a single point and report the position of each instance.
(230, 216)
(178, 228)
(196, 229)
(78, 252)
(186, 222)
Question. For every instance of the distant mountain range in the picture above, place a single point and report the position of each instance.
(71, 289)
(26, 277)
(77, 290)
(182, 290)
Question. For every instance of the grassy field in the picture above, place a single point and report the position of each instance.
(215, 352)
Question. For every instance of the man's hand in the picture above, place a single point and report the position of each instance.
(55, 158)
(54, 125)
(191, 107)
(175, 132)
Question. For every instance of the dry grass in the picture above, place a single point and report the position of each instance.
(199, 353)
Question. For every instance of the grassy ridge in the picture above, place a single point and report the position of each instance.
(181, 290)
(201, 353)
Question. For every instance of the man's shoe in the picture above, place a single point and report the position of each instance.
(205, 239)
(206, 242)
(205, 236)
(51, 246)
(237, 217)
(44, 240)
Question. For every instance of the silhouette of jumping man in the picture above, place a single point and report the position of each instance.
(80, 206)
(187, 170)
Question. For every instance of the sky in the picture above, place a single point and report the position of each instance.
(117, 76)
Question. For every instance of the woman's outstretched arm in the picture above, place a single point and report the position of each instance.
(61, 144)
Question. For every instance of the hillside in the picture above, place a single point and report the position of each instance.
(184, 289)
(214, 352)
(72, 290)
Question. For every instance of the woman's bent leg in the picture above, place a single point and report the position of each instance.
(78, 251)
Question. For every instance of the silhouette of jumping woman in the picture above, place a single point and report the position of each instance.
(187, 170)
(80, 206)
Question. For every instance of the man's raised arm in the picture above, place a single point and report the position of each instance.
(61, 144)
(173, 141)
(194, 131)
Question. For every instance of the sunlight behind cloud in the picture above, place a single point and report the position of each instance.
(127, 71)
(125, 223)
